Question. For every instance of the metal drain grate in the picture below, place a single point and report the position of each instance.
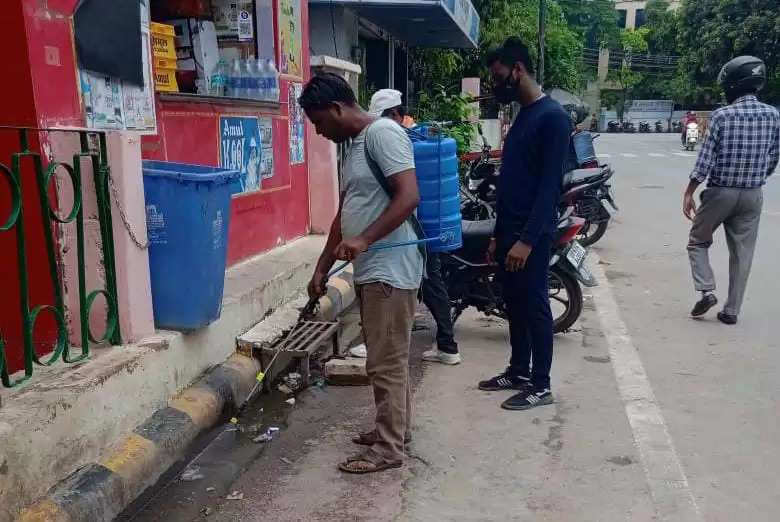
(306, 335)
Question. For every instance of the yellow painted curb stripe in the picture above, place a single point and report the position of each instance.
(202, 404)
(135, 457)
(44, 511)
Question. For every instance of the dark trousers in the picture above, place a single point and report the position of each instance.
(438, 302)
(530, 319)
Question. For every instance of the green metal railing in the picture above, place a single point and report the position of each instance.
(99, 160)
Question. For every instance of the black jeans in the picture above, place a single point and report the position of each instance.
(438, 302)
(530, 319)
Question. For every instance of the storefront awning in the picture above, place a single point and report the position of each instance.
(421, 23)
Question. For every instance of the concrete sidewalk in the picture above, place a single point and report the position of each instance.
(74, 417)
(469, 459)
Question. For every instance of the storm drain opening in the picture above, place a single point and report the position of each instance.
(297, 346)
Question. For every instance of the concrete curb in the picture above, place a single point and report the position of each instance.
(100, 491)
(340, 294)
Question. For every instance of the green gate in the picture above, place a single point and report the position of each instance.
(15, 222)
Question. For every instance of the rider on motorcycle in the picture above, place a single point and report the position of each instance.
(690, 117)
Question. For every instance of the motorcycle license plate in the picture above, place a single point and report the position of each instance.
(575, 254)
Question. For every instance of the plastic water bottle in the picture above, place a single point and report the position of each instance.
(262, 82)
(251, 83)
(219, 79)
(273, 81)
(236, 80)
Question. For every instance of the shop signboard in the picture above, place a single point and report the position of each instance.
(289, 17)
(297, 124)
(245, 144)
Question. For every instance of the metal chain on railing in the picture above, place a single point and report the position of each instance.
(143, 245)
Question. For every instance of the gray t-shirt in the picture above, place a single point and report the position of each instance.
(365, 200)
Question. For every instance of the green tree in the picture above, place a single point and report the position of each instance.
(499, 20)
(633, 42)
(662, 24)
(563, 45)
(596, 21)
(714, 31)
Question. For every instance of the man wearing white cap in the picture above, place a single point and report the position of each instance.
(387, 103)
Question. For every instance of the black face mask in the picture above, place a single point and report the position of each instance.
(505, 92)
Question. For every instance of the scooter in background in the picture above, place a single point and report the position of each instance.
(691, 136)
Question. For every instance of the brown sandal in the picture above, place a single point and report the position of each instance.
(369, 439)
(356, 464)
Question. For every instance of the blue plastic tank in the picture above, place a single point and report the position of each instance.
(187, 218)
(436, 162)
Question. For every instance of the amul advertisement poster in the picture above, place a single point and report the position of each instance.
(297, 124)
(290, 37)
(245, 145)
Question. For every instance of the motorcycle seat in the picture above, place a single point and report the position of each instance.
(578, 176)
(477, 229)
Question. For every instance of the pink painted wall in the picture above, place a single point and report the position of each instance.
(323, 181)
(132, 263)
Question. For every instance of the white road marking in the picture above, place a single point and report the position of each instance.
(684, 154)
(628, 155)
(656, 154)
(672, 496)
(603, 155)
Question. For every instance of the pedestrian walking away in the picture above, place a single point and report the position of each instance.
(740, 151)
(531, 177)
(387, 103)
(387, 280)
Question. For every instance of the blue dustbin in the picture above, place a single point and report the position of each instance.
(187, 217)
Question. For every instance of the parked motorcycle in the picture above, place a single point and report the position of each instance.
(659, 126)
(589, 193)
(628, 126)
(644, 126)
(691, 136)
(613, 126)
(471, 281)
(676, 127)
(478, 190)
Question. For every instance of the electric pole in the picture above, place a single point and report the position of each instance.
(542, 30)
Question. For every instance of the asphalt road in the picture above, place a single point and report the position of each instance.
(657, 416)
(717, 386)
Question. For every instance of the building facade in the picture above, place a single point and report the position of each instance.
(631, 13)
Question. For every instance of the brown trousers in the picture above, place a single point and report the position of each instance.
(387, 314)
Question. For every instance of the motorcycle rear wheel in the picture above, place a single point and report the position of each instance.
(558, 280)
(592, 232)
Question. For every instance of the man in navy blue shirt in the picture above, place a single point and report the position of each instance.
(530, 183)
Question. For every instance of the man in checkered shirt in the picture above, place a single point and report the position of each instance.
(738, 154)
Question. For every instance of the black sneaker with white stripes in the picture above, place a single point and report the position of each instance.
(528, 399)
(505, 381)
